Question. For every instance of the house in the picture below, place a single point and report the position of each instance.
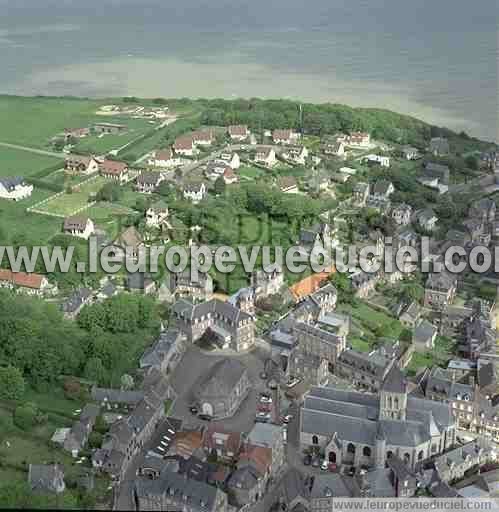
(79, 226)
(203, 137)
(230, 176)
(27, 283)
(156, 214)
(401, 214)
(76, 133)
(15, 189)
(410, 153)
(225, 444)
(109, 128)
(364, 283)
(297, 154)
(138, 282)
(410, 315)
(361, 193)
(115, 398)
(484, 209)
(238, 133)
(427, 219)
(265, 156)
(287, 184)
(424, 336)
(335, 148)
(46, 478)
(231, 159)
(309, 368)
(148, 182)
(184, 146)
(439, 146)
(270, 436)
(185, 284)
(166, 352)
(223, 388)
(439, 171)
(374, 160)
(173, 491)
(79, 433)
(267, 283)
(74, 304)
(440, 290)
(358, 140)
(285, 136)
(130, 241)
(248, 483)
(318, 234)
(365, 430)
(195, 191)
(163, 158)
(114, 170)
(382, 190)
(81, 164)
(232, 327)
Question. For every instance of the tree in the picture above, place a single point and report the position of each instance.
(472, 162)
(25, 416)
(95, 440)
(110, 192)
(11, 383)
(219, 186)
(95, 371)
(127, 382)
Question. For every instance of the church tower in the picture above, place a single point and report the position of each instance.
(393, 395)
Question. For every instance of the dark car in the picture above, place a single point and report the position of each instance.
(307, 460)
(205, 417)
(351, 471)
(316, 462)
(194, 409)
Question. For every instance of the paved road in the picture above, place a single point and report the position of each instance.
(33, 150)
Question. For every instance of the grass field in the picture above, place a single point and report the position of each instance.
(28, 228)
(15, 162)
(67, 204)
(250, 173)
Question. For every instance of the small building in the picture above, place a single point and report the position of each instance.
(203, 137)
(130, 241)
(374, 160)
(184, 284)
(238, 133)
(268, 283)
(427, 219)
(440, 290)
(110, 128)
(358, 140)
(439, 146)
(15, 189)
(231, 159)
(46, 478)
(79, 226)
(411, 153)
(27, 283)
(139, 282)
(156, 214)
(163, 158)
(410, 315)
(361, 193)
(309, 368)
(401, 214)
(195, 191)
(287, 184)
(74, 304)
(382, 190)
(286, 136)
(81, 164)
(229, 176)
(222, 390)
(225, 444)
(148, 182)
(265, 156)
(165, 354)
(297, 154)
(424, 336)
(335, 148)
(184, 146)
(115, 170)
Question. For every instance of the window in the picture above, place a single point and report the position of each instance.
(420, 455)
(315, 440)
(351, 448)
(407, 458)
(366, 451)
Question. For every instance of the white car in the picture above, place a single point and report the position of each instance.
(160, 448)
(263, 415)
(265, 400)
(325, 465)
(293, 382)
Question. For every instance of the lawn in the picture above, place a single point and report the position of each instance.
(249, 172)
(15, 162)
(26, 228)
(67, 204)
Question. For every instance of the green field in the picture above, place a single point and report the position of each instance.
(249, 172)
(67, 204)
(15, 162)
(22, 227)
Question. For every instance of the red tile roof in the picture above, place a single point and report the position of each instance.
(238, 130)
(282, 134)
(22, 279)
(184, 142)
(203, 135)
(260, 456)
(309, 285)
(113, 167)
(163, 154)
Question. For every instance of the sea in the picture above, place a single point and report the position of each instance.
(434, 59)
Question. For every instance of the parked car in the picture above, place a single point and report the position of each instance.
(265, 400)
(262, 416)
(194, 409)
(316, 461)
(293, 382)
(351, 471)
(287, 418)
(325, 465)
(205, 417)
(307, 460)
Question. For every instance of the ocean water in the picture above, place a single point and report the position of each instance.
(435, 59)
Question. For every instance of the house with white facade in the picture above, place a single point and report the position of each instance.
(27, 283)
(195, 192)
(265, 156)
(184, 146)
(203, 138)
(114, 170)
(15, 189)
(78, 226)
(238, 133)
(163, 158)
(156, 214)
(382, 161)
(358, 140)
(286, 136)
(231, 159)
(296, 154)
(81, 164)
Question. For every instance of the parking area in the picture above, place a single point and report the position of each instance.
(196, 363)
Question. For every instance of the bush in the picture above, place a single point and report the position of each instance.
(95, 440)
(25, 416)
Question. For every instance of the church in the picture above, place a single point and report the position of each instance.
(365, 430)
